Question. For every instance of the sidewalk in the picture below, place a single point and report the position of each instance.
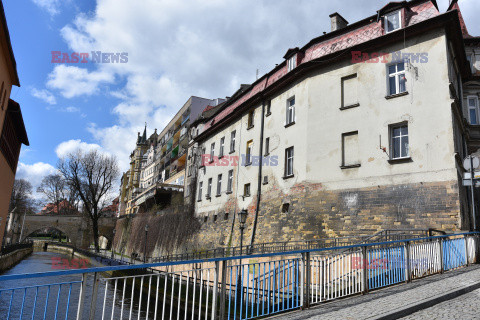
(401, 300)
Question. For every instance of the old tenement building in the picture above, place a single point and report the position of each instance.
(362, 129)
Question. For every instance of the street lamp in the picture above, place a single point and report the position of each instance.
(145, 250)
(111, 246)
(242, 218)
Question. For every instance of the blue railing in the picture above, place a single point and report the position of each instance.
(245, 287)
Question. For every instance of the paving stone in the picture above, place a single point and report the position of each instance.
(388, 300)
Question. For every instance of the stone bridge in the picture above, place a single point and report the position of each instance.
(77, 228)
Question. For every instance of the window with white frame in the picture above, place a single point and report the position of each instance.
(222, 146)
(248, 152)
(209, 188)
(200, 186)
(393, 21)
(396, 78)
(212, 151)
(289, 162)
(292, 62)
(290, 118)
(219, 185)
(230, 181)
(399, 141)
(473, 109)
(232, 141)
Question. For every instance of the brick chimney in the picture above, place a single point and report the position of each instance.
(337, 21)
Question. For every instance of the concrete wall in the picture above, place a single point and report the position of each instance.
(9, 260)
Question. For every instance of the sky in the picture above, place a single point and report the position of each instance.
(175, 49)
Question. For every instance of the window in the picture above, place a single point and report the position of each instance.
(246, 190)
(232, 141)
(212, 151)
(473, 109)
(222, 146)
(219, 185)
(267, 146)
(396, 78)
(251, 116)
(209, 188)
(230, 181)
(471, 59)
(269, 108)
(399, 141)
(292, 62)
(200, 186)
(285, 207)
(393, 21)
(248, 158)
(350, 156)
(205, 219)
(225, 216)
(349, 92)
(290, 111)
(215, 218)
(289, 162)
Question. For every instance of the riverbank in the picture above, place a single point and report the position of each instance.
(11, 259)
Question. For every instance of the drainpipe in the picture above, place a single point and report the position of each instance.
(259, 188)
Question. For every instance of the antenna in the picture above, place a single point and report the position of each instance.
(257, 74)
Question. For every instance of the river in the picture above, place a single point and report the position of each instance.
(40, 301)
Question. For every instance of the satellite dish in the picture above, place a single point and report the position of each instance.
(475, 161)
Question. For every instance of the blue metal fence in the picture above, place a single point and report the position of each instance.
(240, 288)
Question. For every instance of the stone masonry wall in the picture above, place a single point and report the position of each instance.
(316, 213)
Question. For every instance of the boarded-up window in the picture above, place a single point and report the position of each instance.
(349, 91)
(350, 150)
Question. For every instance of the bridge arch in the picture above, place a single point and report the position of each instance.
(76, 227)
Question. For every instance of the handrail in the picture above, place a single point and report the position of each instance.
(174, 263)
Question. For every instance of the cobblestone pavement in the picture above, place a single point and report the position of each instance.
(465, 307)
(382, 302)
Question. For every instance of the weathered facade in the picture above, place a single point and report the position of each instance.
(360, 130)
(12, 129)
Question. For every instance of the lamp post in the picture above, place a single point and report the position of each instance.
(242, 218)
(112, 242)
(145, 250)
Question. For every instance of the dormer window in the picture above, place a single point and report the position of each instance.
(292, 62)
(393, 21)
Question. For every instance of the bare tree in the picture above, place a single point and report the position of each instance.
(56, 189)
(93, 176)
(21, 196)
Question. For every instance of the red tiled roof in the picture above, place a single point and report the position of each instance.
(367, 30)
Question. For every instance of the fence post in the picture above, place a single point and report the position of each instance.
(223, 289)
(365, 269)
(465, 237)
(215, 291)
(306, 280)
(81, 298)
(408, 264)
(440, 253)
(93, 303)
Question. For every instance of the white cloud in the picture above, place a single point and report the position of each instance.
(44, 95)
(181, 48)
(74, 81)
(34, 173)
(70, 146)
(51, 6)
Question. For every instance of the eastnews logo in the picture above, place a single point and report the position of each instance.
(85, 57)
(66, 264)
(244, 160)
(382, 57)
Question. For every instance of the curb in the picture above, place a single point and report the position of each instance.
(428, 303)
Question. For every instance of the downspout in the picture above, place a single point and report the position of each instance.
(259, 188)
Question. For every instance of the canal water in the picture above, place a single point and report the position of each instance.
(51, 297)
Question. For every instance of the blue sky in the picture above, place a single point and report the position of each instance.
(176, 48)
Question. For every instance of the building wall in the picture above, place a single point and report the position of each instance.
(323, 198)
(6, 174)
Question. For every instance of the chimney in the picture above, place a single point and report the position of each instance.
(337, 21)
